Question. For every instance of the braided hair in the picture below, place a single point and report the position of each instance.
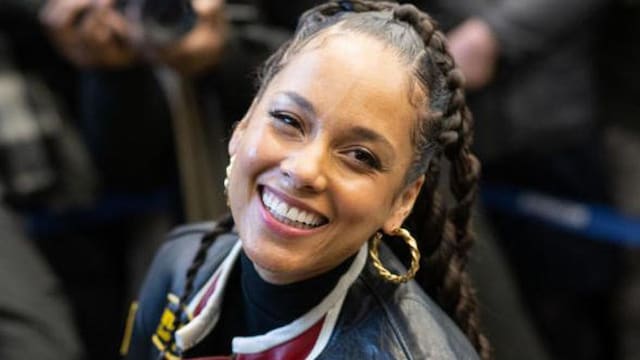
(444, 126)
(223, 225)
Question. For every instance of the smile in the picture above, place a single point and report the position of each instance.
(289, 214)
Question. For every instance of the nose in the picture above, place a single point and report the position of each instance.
(304, 169)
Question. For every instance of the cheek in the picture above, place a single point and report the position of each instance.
(252, 155)
(258, 160)
(365, 201)
(255, 159)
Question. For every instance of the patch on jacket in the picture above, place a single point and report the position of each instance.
(163, 337)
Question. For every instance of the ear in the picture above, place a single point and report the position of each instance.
(403, 205)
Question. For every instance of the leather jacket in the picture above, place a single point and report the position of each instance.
(363, 317)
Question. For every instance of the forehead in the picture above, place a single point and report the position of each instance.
(349, 75)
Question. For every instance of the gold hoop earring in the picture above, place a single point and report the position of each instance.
(415, 257)
(226, 178)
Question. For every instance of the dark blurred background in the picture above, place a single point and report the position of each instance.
(106, 144)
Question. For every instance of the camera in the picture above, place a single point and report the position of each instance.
(161, 22)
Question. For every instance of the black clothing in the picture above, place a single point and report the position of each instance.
(253, 306)
(362, 317)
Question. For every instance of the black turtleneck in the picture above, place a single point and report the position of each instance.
(252, 306)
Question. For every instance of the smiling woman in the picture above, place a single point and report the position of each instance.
(340, 149)
(318, 139)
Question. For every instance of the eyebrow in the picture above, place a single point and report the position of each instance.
(301, 101)
(369, 135)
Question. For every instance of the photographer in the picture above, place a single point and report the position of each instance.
(95, 34)
(134, 122)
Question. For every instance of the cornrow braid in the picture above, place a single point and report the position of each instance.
(223, 225)
(309, 24)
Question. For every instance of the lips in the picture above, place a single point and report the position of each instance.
(289, 214)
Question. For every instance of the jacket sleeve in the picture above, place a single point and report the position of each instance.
(526, 27)
(166, 275)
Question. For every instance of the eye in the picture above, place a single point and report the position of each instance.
(286, 119)
(365, 158)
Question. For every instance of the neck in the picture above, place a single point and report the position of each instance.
(271, 305)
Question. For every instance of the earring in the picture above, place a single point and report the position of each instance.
(415, 257)
(226, 178)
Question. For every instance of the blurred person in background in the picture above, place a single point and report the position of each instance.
(138, 124)
(36, 321)
(41, 160)
(124, 121)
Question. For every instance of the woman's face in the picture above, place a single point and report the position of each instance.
(321, 158)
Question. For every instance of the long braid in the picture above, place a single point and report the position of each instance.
(223, 226)
(445, 127)
(454, 292)
(463, 178)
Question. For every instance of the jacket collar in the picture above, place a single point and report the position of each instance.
(306, 337)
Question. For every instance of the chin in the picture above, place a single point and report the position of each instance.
(275, 265)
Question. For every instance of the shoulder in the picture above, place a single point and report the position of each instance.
(176, 254)
(183, 242)
(424, 327)
(405, 322)
(168, 269)
(167, 276)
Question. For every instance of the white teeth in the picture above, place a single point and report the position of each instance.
(293, 214)
(288, 214)
(281, 209)
(308, 218)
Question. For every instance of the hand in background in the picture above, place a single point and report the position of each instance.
(475, 50)
(61, 19)
(202, 47)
